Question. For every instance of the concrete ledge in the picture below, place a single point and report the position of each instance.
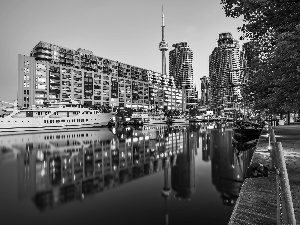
(257, 202)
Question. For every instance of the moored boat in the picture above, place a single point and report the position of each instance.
(157, 119)
(55, 116)
(178, 119)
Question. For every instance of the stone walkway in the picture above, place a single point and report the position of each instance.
(257, 201)
(289, 136)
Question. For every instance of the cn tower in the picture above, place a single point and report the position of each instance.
(163, 45)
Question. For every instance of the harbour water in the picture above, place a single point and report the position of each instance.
(148, 175)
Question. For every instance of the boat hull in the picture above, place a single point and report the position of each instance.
(17, 125)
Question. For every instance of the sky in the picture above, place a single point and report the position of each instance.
(128, 31)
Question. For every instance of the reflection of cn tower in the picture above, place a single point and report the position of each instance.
(183, 172)
(227, 173)
(166, 189)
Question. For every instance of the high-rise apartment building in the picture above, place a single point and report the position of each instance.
(225, 74)
(180, 67)
(53, 73)
(205, 91)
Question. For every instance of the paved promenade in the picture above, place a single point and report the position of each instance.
(289, 136)
(257, 201)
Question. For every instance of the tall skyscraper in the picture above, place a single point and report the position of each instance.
(225, 74)
(163, 45)
(205, 92)
(180, 67)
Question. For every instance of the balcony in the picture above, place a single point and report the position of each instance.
(42, 46)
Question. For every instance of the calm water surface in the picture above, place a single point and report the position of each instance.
(151, 175)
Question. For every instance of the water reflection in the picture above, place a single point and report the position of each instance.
(228, 164)
(68, 166)
(55, 168)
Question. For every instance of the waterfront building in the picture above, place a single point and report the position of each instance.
(225, 74)
(53, 73)
(180, 67)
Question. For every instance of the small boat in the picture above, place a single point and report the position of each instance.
(196, 119)
(140, 117)
(245, 136)
(178, 120)
(157, 119)
(243, 146)
(211, 126)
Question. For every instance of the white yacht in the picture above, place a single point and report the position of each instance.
(56, 116)
(179, 120)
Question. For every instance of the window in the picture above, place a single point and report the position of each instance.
(41, 73)
(40, 66)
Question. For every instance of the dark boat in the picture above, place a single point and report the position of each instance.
(246, 135)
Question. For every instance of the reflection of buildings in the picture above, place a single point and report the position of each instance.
(183, 172)
(182, 169)
(205, 146)
(228, 168)
(54, 169)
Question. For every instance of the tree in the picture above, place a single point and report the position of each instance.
(273, 53)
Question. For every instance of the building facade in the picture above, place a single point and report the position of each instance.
(53, 73)
(180, 67)
(225, 74)
(205, 91)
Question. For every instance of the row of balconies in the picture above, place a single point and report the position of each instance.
(79, 76)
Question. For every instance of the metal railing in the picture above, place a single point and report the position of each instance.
(285, 209)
